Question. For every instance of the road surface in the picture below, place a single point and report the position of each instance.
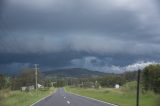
(61, 98)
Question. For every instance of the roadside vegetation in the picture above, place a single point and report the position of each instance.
(19, 98)
(20, 90)
(125, 96)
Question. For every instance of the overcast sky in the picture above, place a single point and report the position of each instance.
(102, 35)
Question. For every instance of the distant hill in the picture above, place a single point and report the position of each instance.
(73, 72)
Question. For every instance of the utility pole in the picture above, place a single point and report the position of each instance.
(36, 75)
(138, 87)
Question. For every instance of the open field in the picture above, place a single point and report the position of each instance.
(18, 98)
(121, 97)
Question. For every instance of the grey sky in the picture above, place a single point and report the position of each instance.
(125, 29)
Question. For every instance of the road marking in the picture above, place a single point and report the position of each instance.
(68, 102)
(41, 100)
(93, 99)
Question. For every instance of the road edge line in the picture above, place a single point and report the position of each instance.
(43, 98)
(93, 99)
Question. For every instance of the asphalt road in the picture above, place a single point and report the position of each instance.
(61, 98)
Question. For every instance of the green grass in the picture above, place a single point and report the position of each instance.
(18, 98)
(121, 97)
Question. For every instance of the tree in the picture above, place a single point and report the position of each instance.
(2, 81)
(26, 78)
(151, 78)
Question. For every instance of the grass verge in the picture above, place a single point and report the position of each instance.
(120, 97)
(18, 98)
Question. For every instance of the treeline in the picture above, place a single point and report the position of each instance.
(111, 80)
(25, 78)
(106, 81)
(150, 80)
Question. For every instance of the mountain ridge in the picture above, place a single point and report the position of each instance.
(73, 72)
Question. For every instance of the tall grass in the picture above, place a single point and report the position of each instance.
(18, 98)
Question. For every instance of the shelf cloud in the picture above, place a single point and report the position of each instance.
(31, 30)
(97, 64)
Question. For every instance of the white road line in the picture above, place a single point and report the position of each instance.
(68, 102)
(93, 99)
(44, 98)
(40, 100)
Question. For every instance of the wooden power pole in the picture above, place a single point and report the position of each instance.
(36, 75)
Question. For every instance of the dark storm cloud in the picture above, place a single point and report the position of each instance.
(112, 28)
(68, 17)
